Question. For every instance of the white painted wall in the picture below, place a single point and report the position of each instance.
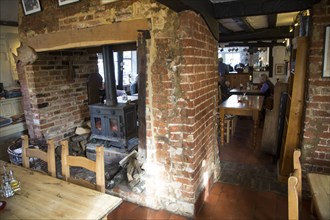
(8, 43)
(279, 56)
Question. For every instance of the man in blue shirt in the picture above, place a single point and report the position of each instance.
(267, 87)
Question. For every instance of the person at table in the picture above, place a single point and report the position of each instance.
(224, 89)
(267, 87)
(222, 67)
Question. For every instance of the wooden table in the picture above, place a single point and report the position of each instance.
(250, 107)
(320, 191)
(46, 197)
(244, 91)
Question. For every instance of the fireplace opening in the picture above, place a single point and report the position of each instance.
(114, 121)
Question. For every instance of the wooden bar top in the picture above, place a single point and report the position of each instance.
(45, 197)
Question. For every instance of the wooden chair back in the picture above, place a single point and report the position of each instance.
(294, 188)
(96, 166)
(48, 156)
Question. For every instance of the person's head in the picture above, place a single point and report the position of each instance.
(227, 83)
(263, 77)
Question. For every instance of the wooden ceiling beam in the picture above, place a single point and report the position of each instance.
(244, 24)
(257, 44)
(272, 19)
(9, 23)
(260, 34)
(204, 8)
(224, 30)
(259, 7)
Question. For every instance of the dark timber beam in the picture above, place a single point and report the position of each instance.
(257, 44)
(224, 30)
(260, 7)
(9, 23)
(204, 8)
(244, 24)
(272, 19)
(260, 34)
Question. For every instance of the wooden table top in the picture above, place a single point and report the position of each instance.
(252, 103)
(45, 197)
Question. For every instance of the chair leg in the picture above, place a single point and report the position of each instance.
(235, 123)
(228, 131)
(232, 127)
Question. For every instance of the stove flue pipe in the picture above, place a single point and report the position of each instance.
(109, 76)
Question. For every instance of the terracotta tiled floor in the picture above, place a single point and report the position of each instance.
(229, 201)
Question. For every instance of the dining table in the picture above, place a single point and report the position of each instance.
(45, 197)
(248, 105)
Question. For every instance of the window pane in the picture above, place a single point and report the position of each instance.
(127, 54)
(127, 71)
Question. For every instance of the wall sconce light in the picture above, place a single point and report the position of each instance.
(291, 28)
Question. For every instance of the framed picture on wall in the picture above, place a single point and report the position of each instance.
(326, 53)
(65, 2)
(280, 69)
(31, 6)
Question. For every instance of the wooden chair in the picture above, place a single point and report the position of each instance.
(294, 188)
(79, 161)
(48, 156)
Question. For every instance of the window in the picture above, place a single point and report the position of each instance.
(124, 61)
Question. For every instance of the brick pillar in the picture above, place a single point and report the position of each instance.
(316, 133)
(182, 151)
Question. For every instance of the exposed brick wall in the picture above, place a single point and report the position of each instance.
(182, 151)
(181, 102)
(316, 133)
(54, 104)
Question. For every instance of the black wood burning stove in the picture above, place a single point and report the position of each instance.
(116, 124)
(113, 124)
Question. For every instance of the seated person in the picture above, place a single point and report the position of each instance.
(267, 89)
(224, 88)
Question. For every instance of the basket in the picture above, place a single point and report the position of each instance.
(15, 157)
